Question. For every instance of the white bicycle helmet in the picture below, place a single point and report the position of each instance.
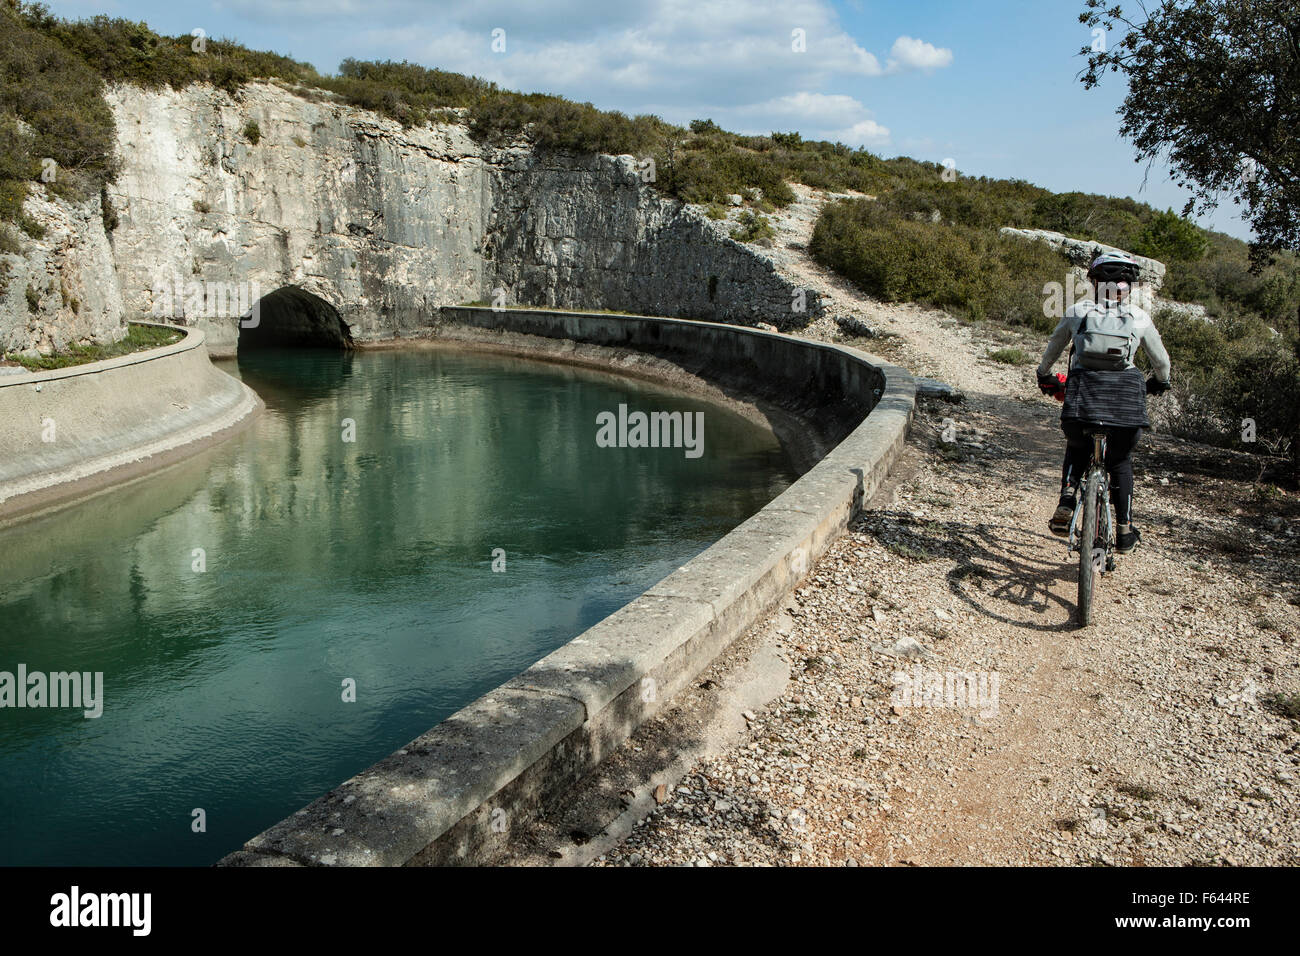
(1113, 267)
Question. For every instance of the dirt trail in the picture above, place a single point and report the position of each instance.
(1156, 736)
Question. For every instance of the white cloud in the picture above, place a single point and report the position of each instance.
(910, 53)
(867, 133)
(729, 60)
(820, 109)
(831, 116)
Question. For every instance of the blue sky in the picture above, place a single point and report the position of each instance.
(990, 84)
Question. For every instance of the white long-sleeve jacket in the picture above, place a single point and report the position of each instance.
(1147, 337)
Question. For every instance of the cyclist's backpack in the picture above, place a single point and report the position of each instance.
(1105, 339)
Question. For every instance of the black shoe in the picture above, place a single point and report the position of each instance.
(1125, 543)
(1059, 524)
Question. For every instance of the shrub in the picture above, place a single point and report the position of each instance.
(1012, 356)
(1229, 370)
(57, 99)
(253, 132)
(1169, 236)
(33, 299)
(751, 227)
(972, 272)
(10, 244)
(107, 213)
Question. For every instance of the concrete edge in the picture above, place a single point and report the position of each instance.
(455, 794)
(117, 420)
(191, 338)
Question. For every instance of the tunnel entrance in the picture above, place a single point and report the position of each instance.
(291, 317)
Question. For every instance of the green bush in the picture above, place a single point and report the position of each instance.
(1229, 370)
(1013, 356)
(750, 227)
(253, 132)
(1169, 236)
(50, 107)
(973, 272)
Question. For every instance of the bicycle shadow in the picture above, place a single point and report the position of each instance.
(999, 567)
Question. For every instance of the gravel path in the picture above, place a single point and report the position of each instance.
(943, 707)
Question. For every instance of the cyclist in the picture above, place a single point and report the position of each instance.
(1104, 387)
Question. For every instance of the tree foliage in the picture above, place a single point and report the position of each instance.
(1169, 236)
(1214, 89)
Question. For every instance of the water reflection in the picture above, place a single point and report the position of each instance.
(227, 598)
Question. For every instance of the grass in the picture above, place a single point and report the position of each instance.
(903, 550)
(137, 339)
(952, 451)
(1012, 356)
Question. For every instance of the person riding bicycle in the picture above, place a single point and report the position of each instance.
(1104, 387)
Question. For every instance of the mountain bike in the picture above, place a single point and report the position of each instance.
(1092, 529)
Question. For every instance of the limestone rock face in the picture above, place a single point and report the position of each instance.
(222, 201)
(384, 224)
(1083, 251)
(584, 232)
(1080, 252)
(61, 290)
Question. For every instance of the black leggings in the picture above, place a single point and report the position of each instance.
(1119, 464)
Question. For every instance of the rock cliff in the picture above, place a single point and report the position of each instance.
(223, 203)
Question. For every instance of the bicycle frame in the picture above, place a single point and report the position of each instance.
(1105, 560)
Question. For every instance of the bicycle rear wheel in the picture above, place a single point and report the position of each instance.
(1089, 528)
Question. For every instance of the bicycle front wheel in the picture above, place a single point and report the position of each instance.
(1089, 529)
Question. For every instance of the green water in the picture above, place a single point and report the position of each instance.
(326, 560)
